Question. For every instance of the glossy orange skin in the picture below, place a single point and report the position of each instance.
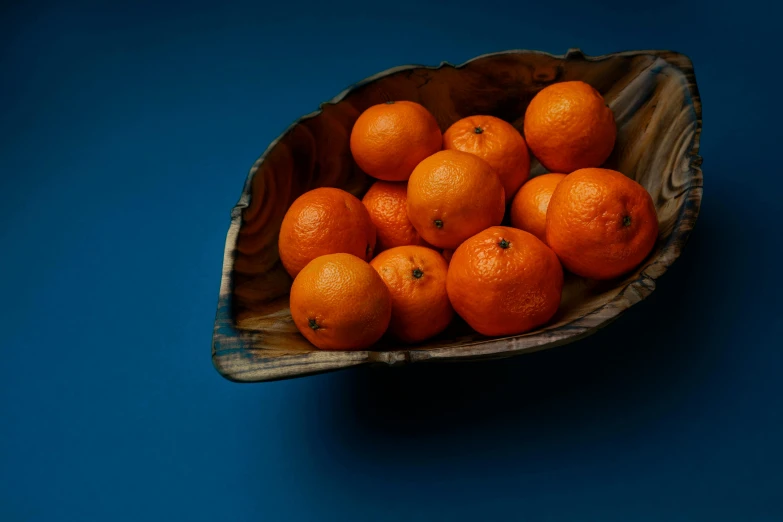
(322, 221)
(388, 140)
(453, 195)
(528, 210)
(504, 291)
(339, 302)
(416, 279)
(568, 126)
(600, 223)
(495, 141)
(387, 203)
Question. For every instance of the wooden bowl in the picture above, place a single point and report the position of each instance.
(656, 104)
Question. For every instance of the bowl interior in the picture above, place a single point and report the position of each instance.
(658, 117)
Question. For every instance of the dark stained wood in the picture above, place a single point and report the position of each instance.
(656, 103)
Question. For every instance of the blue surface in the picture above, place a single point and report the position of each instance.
(126, 133)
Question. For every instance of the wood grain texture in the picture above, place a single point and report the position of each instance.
(656, 104)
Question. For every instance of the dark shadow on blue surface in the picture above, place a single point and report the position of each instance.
(586, 389)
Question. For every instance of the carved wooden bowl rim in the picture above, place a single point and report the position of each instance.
(230, 345)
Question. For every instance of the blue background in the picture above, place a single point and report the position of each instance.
(126, 133)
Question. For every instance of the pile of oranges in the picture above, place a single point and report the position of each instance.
(428, 238)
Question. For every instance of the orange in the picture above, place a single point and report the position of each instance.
(568, 126)
(338, 302)
(387, 203)
(416, 279)
(528, 210)
(453, 195)
(504, 281)
(388, 140)
(495, 141)
(601, 223)
(324, 221)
